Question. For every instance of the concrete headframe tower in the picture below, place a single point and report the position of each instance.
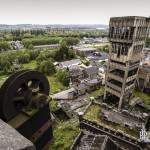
(127, 36)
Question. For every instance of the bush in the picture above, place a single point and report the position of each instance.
(23, 57)
(63, 77)
(5, 64)
(46, 67)
(147, 42)
(64, 52)
(4, 46)
(70, 41)
(71, 54)
(33, 54)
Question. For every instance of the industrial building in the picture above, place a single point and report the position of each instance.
(127, 37)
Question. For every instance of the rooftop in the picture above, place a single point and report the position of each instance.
(91, 70)
(129, 17)
(70, 63)
(64, 94)
(45, 46)
(86, 49)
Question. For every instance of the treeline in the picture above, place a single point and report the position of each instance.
(28, 43)
(22, 34)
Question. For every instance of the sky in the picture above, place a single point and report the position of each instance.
(69, 11)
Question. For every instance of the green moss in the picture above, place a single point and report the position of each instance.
(145, 97)
(64, 135)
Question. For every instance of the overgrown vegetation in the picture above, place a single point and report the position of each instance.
(145, 97)
(104, 48)
(53, 105)
(94, 114)
(40, 41)
(63, 77)
(64, 134)
(55, 84)
(147, 42)
(25, 56)
(4, 46)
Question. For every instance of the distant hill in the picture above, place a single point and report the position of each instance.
(52, 26)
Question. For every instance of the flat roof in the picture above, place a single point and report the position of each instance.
(39, 46)
(130, 17)
(87, 49)
(71, 62)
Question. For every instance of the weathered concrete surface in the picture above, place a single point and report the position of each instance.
(10, 139)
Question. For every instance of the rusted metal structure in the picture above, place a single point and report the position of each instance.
(24, 105)
(127, 37)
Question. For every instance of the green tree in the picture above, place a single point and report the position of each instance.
(62, 53)
(63, 77)
(23, 58)
(4, 46)
(46, 67)
(33, 54)
(71, 54)
(5, 65)
(30, 46)
(41, 41)
(40, 58)
(70, 41)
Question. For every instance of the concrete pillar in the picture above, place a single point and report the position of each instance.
(123, 87)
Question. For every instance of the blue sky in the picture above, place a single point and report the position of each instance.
(69, 11)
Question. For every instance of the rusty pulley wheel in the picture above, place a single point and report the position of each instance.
(16, 92)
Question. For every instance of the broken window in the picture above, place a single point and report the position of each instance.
(132, 72)
(118, 72)
(115, 82)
